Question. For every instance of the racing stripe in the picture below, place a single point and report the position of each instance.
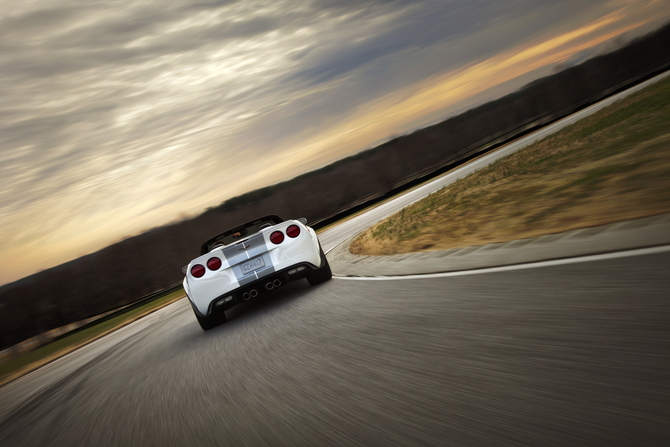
(241, 252)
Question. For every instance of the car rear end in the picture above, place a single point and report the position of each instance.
(267, 259)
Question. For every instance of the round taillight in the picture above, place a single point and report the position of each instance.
(197, 270)
(214, 263)
(293, 231)
(277, 237)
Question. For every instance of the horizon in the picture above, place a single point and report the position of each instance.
(119, 137)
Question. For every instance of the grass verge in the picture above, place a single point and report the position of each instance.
(26, 363)
(611, 166)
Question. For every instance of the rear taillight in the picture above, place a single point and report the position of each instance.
(277, 237)
(198, 270)
(214, 263)
(293, 231)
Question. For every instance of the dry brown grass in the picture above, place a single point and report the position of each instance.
(612, 166)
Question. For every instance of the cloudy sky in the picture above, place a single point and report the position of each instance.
(118, 116)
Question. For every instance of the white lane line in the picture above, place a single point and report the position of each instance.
(337, 244)
(530, 265)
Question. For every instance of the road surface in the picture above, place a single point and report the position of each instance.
(575, 354)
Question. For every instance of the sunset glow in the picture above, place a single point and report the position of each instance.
(118, 120)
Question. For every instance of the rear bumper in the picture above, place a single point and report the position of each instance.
(230, 277)
(237, 296)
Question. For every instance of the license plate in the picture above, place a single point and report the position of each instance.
(252, 264)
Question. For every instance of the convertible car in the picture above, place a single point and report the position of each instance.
(254, 258)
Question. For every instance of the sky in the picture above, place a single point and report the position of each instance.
(120, 116)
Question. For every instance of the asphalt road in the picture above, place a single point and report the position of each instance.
(567, 355)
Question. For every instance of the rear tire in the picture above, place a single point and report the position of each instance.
(212, 321)
(323, 274)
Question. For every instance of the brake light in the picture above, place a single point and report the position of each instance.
(198, 270)
(277, 237)
(214, 263)
(293, 231)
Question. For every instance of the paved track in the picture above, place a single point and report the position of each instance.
(568, 355)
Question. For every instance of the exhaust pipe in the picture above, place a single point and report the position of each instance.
(246, 296)
(276, 283)
(269, 286)
(253, 293)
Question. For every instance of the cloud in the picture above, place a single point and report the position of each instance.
(116, 117)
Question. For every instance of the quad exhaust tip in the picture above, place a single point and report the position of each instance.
(250, 294)
(272, 284)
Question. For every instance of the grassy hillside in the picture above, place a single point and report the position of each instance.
(611, 166)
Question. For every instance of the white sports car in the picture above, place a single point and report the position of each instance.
(249, 260)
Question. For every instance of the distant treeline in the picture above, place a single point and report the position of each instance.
(128, 270)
